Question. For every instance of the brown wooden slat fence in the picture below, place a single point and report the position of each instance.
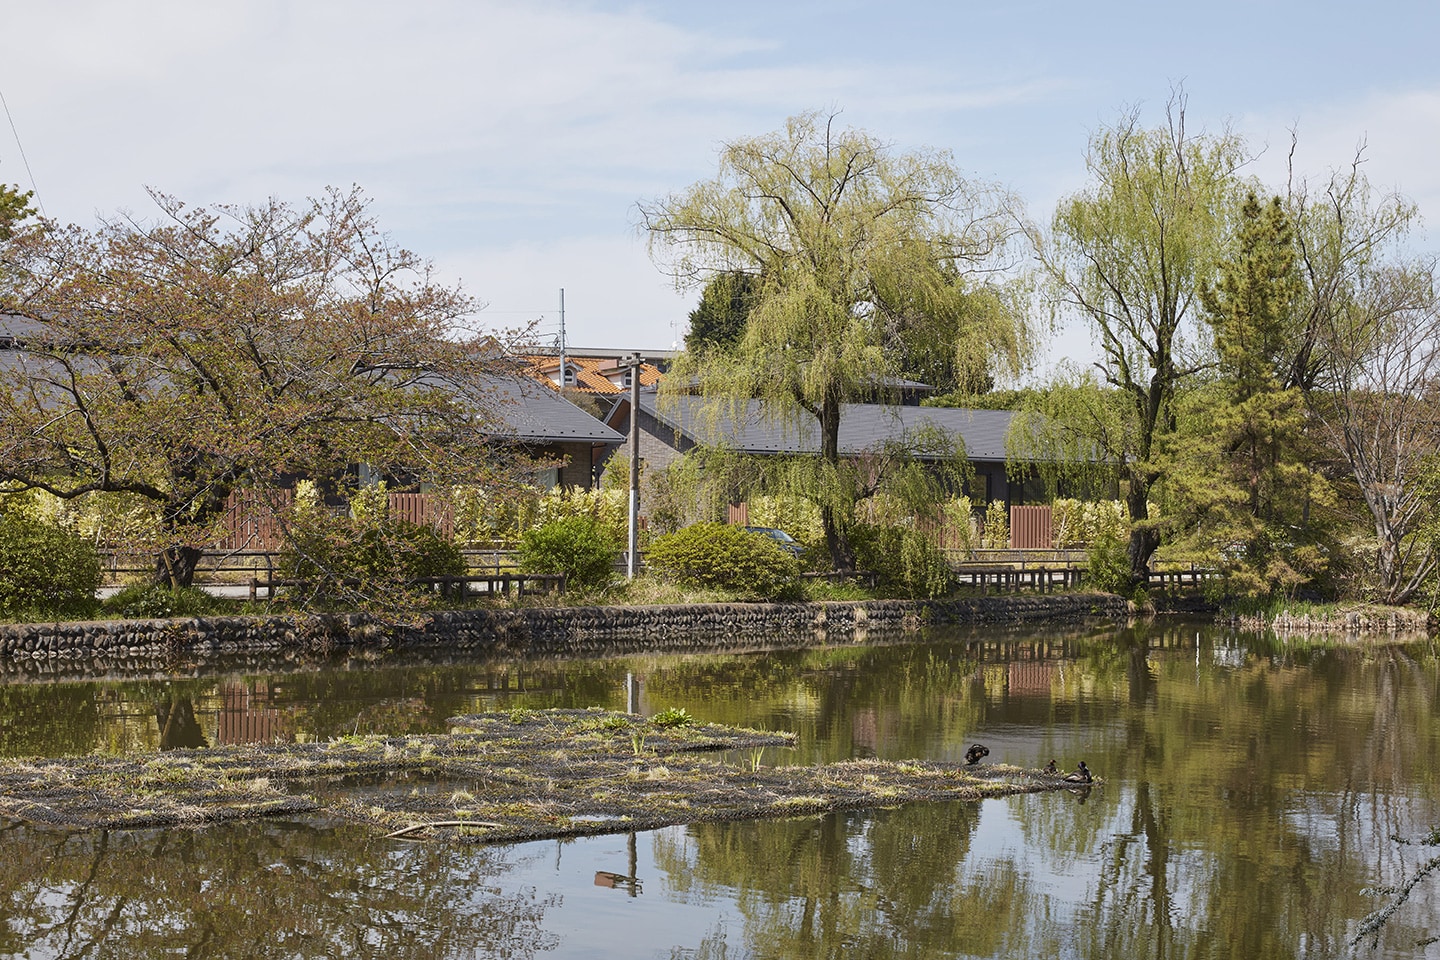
(1030, 528)
(252, 517)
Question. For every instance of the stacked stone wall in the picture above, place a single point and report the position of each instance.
(538, 631)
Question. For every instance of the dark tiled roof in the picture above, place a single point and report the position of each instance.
(533, 411)
(538, 413)
(863, 426)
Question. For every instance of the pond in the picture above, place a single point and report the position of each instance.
(1256, 798)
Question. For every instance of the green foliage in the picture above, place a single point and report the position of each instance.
(725, 304)
(605, 508)
(232, 343)
(365, 559)
(795, 515)
(582, 546)
(996, 534)
(1078, 523)
(154, 601)
(14, 208)
(1108, 565)
(1130, 253)
(989, 400)
(726, 557)
(673, 717)
(1242, 491)
(834, 316)
(903, 559)
(44, 569)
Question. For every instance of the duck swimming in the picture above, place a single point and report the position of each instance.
(1081, 774)
(976, 751)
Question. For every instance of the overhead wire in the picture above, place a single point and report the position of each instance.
(34, 189)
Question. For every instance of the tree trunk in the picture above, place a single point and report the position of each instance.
(1144, 539)
(842, 555)
(175, 566)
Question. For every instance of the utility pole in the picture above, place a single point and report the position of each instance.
(632, 362)
(562, 338)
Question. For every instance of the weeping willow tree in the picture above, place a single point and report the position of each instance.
(1130, 254)
(856, 249)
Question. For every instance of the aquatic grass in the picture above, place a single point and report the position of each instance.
(534, 778)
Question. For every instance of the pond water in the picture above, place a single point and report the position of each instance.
(1256, 798)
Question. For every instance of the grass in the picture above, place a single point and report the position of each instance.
(496, 777)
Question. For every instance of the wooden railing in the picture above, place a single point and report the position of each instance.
(449, 588)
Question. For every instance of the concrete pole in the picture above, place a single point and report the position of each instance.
(634, 361)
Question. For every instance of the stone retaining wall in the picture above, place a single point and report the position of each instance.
(537, 631)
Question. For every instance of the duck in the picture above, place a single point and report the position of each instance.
(976, 751)
(1050, 768)
(1081, 774)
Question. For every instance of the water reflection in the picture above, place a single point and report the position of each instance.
(259, 890)
(1250, 794)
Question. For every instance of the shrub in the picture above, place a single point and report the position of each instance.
(582, 546)
(1081, 522)
(44, 568)
(726, 557)
(1108, 563)
(365, 559)
(996, 535)
(903, 559)
(153, 601)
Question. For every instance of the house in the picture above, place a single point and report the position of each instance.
(550, 427)
(597, 372)
(671, 427)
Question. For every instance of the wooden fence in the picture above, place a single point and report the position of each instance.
(252, 517)
(1030, 528)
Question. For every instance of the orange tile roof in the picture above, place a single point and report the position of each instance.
(592, 374)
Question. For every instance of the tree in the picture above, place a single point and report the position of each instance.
(854, 246)
(14, 209)
(719, 319)
(1245, 479)
(229, 346)
(1129, 254)
(1369, 365)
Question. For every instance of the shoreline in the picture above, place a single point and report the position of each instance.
(537, 631)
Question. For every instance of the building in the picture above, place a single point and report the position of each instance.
(671, 427)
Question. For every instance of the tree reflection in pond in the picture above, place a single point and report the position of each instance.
(262, 891)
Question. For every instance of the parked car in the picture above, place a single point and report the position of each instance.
(782, 539)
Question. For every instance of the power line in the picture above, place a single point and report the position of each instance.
(23, 159)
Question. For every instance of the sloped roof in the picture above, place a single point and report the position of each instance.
(537, 412)
(863, 426)
(592, 374)
(532, 411)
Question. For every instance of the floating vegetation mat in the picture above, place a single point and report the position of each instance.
(497, 777)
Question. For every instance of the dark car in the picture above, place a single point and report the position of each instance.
(782, 539)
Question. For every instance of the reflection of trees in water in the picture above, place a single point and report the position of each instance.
(258, 890)
(883, 884)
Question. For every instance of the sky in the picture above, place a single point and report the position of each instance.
(509, 142)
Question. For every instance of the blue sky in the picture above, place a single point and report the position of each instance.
(508, 142)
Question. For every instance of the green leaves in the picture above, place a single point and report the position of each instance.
(866, 259)
(726, 557)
